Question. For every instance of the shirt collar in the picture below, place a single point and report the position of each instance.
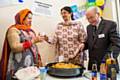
(99, 20)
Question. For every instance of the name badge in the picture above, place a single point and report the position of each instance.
(101, 35)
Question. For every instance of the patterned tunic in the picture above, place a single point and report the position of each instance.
(67, 38)
(22, 59)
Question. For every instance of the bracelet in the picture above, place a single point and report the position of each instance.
(27, 44)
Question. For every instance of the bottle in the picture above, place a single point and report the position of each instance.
(103, 71)
(94, 71)
(113, 74)
(113, 70)
(108, 63)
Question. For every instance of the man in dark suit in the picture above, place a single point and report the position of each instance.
(102, 37)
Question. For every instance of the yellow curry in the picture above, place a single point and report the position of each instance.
(65, 65)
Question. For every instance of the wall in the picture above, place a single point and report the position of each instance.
(40, 23)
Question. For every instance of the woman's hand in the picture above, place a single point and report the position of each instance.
(41, 37)
(46, 38)
(37, 39)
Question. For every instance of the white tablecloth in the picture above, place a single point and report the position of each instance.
(88, 76)
(53, 78)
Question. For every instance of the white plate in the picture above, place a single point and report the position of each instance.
(28, 73)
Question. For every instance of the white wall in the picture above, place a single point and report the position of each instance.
(40, 23)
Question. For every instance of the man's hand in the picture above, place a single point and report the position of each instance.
(81, 46)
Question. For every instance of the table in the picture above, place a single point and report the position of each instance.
(86, 77)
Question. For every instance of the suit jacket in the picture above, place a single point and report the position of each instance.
(106, 39)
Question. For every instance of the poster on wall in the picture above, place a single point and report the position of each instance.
(78, 11)
(4, 3)
(40, 7)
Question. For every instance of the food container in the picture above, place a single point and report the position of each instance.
(64, 72)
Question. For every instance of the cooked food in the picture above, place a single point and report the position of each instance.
(65, 65)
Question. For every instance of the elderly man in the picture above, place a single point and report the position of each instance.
(102, 37)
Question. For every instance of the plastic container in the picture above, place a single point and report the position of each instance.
(43, 72)
(113, 74)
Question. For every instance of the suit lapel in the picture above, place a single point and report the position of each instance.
(90, 35)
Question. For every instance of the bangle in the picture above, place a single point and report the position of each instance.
(27, 44)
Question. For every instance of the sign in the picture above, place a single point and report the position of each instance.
(42, 8)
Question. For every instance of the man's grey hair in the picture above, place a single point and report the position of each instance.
(93, 8)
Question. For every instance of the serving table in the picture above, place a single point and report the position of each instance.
(86, 76)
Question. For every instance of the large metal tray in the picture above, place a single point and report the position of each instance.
(64, 72)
